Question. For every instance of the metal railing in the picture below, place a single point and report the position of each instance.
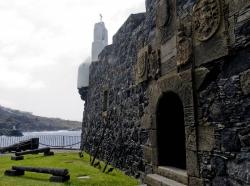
(52, 141)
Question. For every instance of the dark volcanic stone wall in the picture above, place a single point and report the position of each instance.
(205, 65)
(224, 104)
(224, 108)
(114, 73)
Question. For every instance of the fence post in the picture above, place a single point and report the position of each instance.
(63, 142)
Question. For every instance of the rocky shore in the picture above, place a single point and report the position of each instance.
(13, 121)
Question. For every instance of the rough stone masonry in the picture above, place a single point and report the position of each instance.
(174, 90)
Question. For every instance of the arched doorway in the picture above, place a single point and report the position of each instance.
(171, 131)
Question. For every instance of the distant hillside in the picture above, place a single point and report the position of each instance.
(27, 122)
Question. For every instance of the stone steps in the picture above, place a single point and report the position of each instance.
(158, 180)
(167, 176)
(175, 174)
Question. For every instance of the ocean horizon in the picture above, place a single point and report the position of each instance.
(54, 133)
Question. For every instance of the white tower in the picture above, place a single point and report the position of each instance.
(100, 39)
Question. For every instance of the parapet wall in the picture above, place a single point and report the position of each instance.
(114, 73)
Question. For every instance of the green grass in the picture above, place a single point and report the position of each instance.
(77, 167)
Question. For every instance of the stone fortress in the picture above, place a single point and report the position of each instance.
(172, 95)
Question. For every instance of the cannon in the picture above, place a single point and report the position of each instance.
(58, 175)
(30, 144)
(20, 155)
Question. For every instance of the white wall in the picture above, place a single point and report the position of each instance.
(83, 75)
(100, 40)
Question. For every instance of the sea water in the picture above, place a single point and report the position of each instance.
(62, 139)
(54, 133)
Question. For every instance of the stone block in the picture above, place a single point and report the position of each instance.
(168, 50)
(182, 88)
(200, 75)
(244, 13)
(147, 154)
(189, 116)
(169, 67)
(231, 30)
(146, 121)
(186, 75)
(193, 181)
(158, 180)
(212, 50)
(191, 138)
(155, 92)
(206, 138)
(152, 181)
(154, 156)
(154, 122)
(242, 28)
(210, 40)
(153, 138)
(169, 83)
(185, 91)
(245, 82)
(172, 173)
(192, 163)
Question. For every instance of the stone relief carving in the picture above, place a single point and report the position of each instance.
(163, 14)
(184, 47)
(163, 19)
(206, 19)
(154, 63)
(148, 64)
(141, 67)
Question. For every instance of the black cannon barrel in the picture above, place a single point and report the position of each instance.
(32, 143)
(53, 171)
(36, 151)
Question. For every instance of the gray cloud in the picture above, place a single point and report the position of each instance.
(42, 43)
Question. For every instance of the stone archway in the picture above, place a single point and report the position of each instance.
(170, 131)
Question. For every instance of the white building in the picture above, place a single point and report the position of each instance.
(100, 41)
(83, 75)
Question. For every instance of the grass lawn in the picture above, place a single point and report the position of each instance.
(78, 167)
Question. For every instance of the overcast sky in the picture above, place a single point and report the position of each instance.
(42, 43)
